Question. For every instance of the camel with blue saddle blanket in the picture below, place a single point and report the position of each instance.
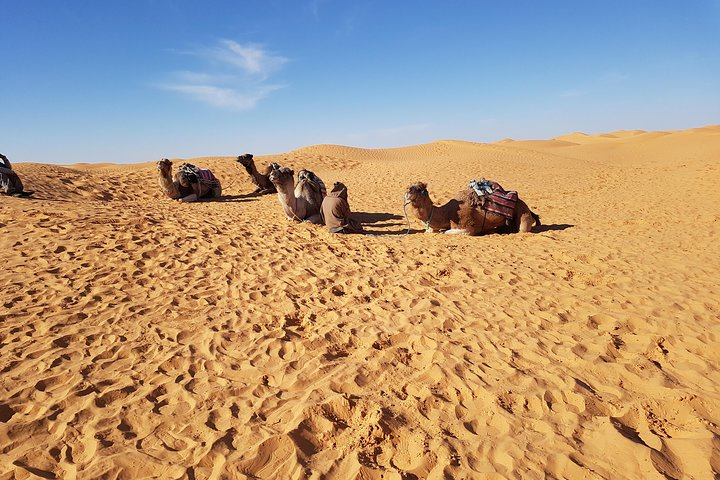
(483, 207)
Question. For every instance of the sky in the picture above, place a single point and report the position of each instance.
(137, 80)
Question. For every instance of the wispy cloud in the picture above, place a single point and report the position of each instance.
(250, 58)
(224, 97)
(236, 77)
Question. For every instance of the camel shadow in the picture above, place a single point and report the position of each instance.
(550, 228)
(374, 218)
(385, 233)
(379, 220)
(382, 220)
(236, 198)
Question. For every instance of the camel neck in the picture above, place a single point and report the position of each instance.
(167, 183)
(250, 167)
(425, 214)
(288, 200)
(427, 222)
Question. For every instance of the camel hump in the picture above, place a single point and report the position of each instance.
(190, 172)
(492, 197)
(314, 180)
(270, 168)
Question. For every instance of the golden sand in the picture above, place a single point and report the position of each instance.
(145, 338)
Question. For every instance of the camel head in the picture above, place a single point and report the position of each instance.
(165, 166)
(245, 160)
(417, 194)
(281, 176)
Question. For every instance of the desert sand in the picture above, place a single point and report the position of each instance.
(146, 338)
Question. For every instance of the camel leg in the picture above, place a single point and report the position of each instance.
(190, 198)
(456, 231)
(316, 219)
(526, 222)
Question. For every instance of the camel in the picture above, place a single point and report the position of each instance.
(300, 202)
(260, 180)
(464, 215)
(10, 183)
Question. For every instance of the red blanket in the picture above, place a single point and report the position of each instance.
(498, 201)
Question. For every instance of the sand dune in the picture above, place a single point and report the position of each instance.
(144, 338)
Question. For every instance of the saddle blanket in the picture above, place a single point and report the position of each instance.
(206, 175)
(195, 174)
(498, 201)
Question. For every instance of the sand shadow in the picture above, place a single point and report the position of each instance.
(550, 228)
(375, 218)
(235, 198)
(381, 220)
(392, 233)
(255, 194)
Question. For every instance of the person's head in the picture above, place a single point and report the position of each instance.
(340, 190)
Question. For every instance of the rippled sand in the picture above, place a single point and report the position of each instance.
(144, 338)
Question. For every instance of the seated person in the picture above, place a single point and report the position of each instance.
(10, 183)
(335, 211)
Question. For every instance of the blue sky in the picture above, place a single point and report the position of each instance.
(137, 80)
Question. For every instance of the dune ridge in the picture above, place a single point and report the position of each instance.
(145, 338)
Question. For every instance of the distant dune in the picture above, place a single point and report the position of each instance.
(146, 338)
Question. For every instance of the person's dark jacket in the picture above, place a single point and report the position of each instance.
(335, 211)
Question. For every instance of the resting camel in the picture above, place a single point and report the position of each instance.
(300, 202)
(464, 215)
(260, 180)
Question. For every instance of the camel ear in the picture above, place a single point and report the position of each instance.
(419, 187)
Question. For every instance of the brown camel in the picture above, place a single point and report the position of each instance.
(300, 202)
(464, 215)
(260, 180)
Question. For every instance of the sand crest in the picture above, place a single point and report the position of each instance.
(145, 338)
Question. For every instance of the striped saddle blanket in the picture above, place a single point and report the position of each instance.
(494, 198)
(206, 175)
(196, 175)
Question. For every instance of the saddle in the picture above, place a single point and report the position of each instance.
(493, 198)
(195, 174)
(310, 176)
